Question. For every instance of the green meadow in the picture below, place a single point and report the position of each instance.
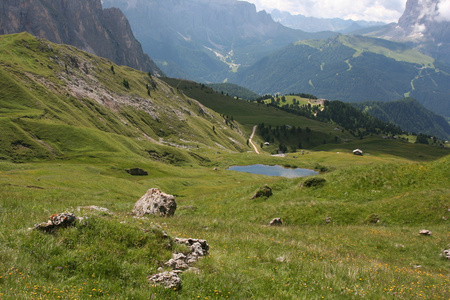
(355, 236)
(111, 254)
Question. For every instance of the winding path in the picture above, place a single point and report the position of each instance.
(251, 137)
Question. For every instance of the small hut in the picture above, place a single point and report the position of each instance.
(358, 152)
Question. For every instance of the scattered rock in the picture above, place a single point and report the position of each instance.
(281, 259)
(425, 232)
(264, 191)
(169, 280)
(180, 262)
(193, 242)
(137, 172)
(56, 221)
(328, 220)
(276, 222)
(446, 253)
(155, 202)
(314, 182)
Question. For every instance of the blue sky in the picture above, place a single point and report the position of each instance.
(369, 10)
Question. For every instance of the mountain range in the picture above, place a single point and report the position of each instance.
(312, 24)
(83, 24)
(352, 69)
(230, 41)
(206, 40)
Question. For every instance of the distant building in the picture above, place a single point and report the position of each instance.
(358, 152)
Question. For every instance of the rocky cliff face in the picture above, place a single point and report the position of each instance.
(426, 24)
(82, 23)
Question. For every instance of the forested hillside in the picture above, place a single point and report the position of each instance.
(410, 115)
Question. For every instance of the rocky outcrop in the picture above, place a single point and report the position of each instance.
(180, 262)
(155, 202)
(82, 23)
(56, 221)
(169, 280)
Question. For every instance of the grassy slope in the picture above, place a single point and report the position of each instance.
(393, 50)
(111, 255)
(64, 101)
(252, 113)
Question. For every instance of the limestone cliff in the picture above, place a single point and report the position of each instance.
(82, 23)
(426, 25)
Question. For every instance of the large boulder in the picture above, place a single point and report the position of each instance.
(155, 202)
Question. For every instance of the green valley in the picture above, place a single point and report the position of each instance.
(71, 124)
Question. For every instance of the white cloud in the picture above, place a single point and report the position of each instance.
(369, 10)
(443, 11)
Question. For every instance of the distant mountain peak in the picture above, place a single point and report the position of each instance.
(426, 25)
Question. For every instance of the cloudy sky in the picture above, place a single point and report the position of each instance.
(369, 10)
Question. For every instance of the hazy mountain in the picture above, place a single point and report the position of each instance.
(312, 24)
(205, 40)
(425, 24)
(81, 23)
(352, 68)
(410, 115)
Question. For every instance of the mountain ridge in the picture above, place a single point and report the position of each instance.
(312, 24)
(84, 24)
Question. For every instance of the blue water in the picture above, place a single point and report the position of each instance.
(274, 171)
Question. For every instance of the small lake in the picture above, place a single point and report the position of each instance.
(274, 171)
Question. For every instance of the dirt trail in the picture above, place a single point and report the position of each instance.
(251, 137)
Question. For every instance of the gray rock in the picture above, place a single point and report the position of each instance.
(425, 232)
(169, 280)
(190, 242)
(276, 222)
(155, 202)
(178, 262)
(446, 253)
(56, 221)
